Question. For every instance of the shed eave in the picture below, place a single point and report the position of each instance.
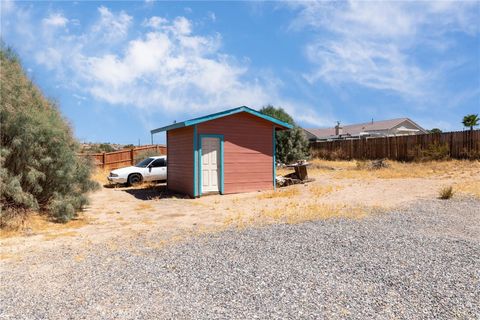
(279, 124)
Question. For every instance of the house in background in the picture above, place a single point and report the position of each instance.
(226, 152)
(384, 128)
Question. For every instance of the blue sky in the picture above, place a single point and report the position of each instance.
(119, 69)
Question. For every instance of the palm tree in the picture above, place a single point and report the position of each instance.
(471, 120)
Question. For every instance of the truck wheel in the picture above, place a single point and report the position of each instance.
(134, 179)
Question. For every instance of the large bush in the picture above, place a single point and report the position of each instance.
(39, 167)
(291, 145)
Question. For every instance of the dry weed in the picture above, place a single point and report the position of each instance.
(298, 213)
(320, 191)
(397, 170)
(283, 193)
(445, 193)
(100, 175)
(41, 224)
(293, 213)
(469, 187)
(144, 206)
(52, 236)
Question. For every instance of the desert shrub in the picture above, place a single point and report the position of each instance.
(291, 145)
(371, 165)
(39, 167)
(337, 154)
(445, 193)
(144, 154)
(434, 151)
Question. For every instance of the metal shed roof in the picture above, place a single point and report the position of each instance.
(220, 115)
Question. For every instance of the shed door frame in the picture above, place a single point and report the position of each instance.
(221, 163)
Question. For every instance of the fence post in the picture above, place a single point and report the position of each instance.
(132, 155)
(104, 160)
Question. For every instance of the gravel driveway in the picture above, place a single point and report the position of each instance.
(420, 262)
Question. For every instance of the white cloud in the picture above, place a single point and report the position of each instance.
(372, 43)
(168, 68)
(50, 58)
(172, 69)
(154, 22)
(55, 20)
(211, 15)
(112, 27)
(7, 6)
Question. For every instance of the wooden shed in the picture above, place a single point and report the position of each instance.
(226, 152)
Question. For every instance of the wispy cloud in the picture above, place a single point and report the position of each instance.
(168, 66)
(55, 20)
(112, 26)
(371, 43)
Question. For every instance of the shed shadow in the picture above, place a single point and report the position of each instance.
(154, 192)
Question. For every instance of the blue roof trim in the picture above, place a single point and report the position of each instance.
(220, 115)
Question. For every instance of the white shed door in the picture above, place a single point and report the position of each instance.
(210, 164)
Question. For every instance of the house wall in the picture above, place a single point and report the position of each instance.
(409, 125)
(248, 151)
(180, 160)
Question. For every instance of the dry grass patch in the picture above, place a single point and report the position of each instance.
(298, 213)
(100, 175)
(41, 224)
(294, 213)
(282, 193)
(469, 187)
(52, 236)
(320, 191)
(144, 206)
(398, 170)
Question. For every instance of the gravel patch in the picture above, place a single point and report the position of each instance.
(418, 262)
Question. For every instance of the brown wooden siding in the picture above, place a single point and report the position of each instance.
(122, 158)
(457, 145)
(248, 156)
(180, 160)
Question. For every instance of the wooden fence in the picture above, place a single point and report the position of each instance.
(456, 145)
(123, 158)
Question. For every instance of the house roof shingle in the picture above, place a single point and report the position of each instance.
(356, 129)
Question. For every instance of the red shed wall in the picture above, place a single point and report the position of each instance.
(248, 151)
(180, 160)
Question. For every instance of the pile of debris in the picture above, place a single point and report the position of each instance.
(372, 165)
(300, 175)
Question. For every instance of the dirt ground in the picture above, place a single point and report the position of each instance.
(340, 189)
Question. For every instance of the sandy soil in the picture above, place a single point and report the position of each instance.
(151, 211)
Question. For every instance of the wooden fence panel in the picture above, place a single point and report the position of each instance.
(459, 145)
(122, 158)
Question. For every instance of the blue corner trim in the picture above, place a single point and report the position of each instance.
(274, 144)
(222, 180)
(195, 162)
(221, 114)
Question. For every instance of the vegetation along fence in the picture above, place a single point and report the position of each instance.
(126, 157)
(434, 146)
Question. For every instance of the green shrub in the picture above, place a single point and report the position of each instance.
(446, 193)
(39, 167)
(291, 145)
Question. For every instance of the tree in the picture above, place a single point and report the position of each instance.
(435, 130)
(105, 147)
(471, 120)
(291, 145)
(39, 168)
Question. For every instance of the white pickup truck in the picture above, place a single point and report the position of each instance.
(149, 169)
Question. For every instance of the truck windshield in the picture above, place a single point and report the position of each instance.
(144, 163)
